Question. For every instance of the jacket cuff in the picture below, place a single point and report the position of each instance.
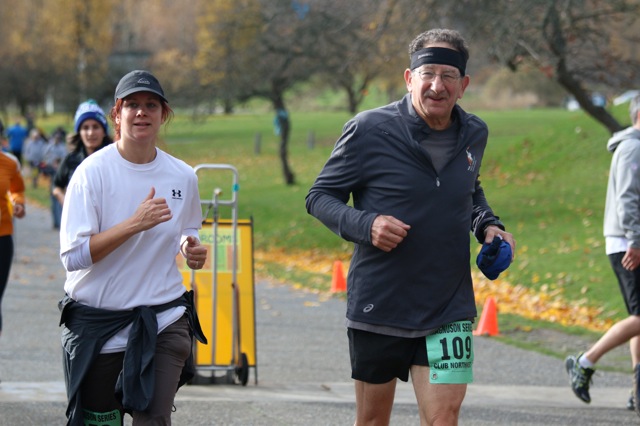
(495, 221)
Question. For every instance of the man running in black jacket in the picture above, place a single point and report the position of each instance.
(412, 168)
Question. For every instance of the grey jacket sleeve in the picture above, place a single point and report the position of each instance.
(627, 203)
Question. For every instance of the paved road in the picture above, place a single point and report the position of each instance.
(302, 363)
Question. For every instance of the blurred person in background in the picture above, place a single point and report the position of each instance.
(17, 134)
(11, 205)
(55, 152)
(622, 245)
(35, 146)
(91, 133)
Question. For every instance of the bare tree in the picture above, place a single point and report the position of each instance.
(228, 51)
(264, 48)
(357, 49)
(226, 36)
(287, 53)
(87, 48)
(24, 51)
(572, 41)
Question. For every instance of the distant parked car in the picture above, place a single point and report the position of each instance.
(626, 97)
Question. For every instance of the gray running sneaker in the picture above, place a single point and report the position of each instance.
(579, 377)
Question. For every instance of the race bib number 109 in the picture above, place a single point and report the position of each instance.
(450, 352)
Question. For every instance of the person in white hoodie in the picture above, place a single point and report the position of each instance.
(622, 235)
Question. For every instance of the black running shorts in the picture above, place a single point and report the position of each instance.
(378, 358)
(629, 282)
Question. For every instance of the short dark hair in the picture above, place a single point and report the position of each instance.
(440, 35)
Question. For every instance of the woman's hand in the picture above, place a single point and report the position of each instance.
(152, 211)
(195, 253)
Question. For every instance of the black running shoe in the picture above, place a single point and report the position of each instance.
(579, 377)
(630, 404)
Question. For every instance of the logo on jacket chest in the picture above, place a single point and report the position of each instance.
(471, 159)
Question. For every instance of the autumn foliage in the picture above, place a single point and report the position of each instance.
(542, 304)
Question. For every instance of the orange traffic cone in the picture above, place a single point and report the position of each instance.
(338, 282)
(488, 324)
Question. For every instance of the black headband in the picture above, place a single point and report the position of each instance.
(438, 55)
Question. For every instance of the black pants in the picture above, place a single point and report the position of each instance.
(6, 257)
(173, 347)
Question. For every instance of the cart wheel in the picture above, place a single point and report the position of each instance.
(242, 370)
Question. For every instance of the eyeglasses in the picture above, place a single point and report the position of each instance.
(447, 77)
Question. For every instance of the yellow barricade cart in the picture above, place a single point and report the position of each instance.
(224, 287)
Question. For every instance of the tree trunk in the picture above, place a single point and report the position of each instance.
(283, 126)
(556, 39)
(289, 177)
(228, 106)
(352, 101)
(583, 98)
